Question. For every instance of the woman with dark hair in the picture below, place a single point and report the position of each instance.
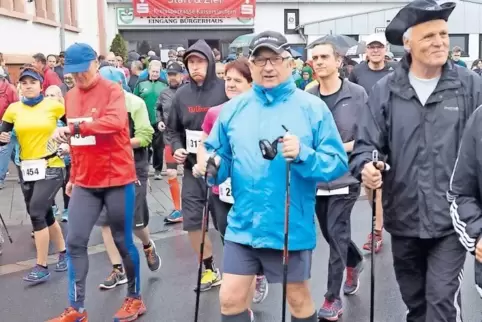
(237, 81)
(42, 170)
(477, 66)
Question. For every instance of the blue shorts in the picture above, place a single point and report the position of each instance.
(246, 260)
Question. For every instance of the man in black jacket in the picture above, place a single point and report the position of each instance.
(189, 107)
(415, 118)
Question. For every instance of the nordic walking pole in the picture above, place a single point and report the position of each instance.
(211, 170)
(374, 220)
(286, 233)
(6, 230)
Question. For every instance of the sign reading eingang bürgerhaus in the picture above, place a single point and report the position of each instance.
(195, 8)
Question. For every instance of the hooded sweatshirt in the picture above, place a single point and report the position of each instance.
(301, 83)
(190, 104)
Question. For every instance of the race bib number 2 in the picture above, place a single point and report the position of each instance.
(226, 192)
(193, 140)
(77, 140)
(33, 170)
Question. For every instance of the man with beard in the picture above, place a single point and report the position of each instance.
(164, 102)
(415, 119)
(335, 199)
(184, 127)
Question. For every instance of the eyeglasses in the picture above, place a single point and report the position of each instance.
(275, 61)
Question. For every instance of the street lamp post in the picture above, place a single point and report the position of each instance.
(62, 24)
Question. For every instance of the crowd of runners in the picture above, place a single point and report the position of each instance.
(237, 132)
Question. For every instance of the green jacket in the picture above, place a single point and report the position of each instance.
(139, 125)
(149, 91)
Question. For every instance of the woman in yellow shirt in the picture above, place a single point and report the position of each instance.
(42, 171)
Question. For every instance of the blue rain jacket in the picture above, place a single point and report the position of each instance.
(258, 185)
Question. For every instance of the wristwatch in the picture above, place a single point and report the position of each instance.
(76, 128)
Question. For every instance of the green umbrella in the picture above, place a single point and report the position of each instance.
(242, 41)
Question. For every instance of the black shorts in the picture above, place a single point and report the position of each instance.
(193, 200)
(141, 215)
(170, 162)
(246, 260)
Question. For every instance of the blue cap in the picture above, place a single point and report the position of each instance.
(31, 73)
(115, 75)
(78, 58)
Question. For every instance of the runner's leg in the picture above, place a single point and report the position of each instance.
(65, 212)
(410, 265)
(40, 195)
(445, 274)
(193, 201)
(158, 153)
(171, 165)
(378, 223)
(85, 207)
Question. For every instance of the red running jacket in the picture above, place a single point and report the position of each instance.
(102, 155)
(8, 95)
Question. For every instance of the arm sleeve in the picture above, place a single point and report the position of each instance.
(114, 118)
(143, 129)
(326, 160)
(217, 142)
(371, 133)
(7, 122)
(464, 193)
(136, 90)
(174, 126)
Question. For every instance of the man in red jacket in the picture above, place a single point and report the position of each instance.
(50, 77)
(102, 175)
(8, 93)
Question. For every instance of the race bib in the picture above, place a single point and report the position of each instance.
(334, 192)
(33, 170)
(78, 140)
(193, 139)
(226, 192)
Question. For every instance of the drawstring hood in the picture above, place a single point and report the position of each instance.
(202, 48)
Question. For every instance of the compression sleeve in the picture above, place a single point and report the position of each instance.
(5, 127)
(113, 120)
(143, 129)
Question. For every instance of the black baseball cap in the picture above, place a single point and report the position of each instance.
(272, 40)
(174, 68)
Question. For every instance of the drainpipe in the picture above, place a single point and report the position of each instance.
(62, 24)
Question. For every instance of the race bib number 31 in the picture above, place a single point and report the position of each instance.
(77, 140)
(193, 140)
(33, 170)
(226, 192)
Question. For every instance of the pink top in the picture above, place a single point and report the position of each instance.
(209, 119)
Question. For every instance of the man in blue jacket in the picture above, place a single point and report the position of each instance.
(254, 236)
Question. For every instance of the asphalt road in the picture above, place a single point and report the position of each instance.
(169, 293)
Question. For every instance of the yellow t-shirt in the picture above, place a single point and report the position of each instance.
(34, 126)
(310, 85)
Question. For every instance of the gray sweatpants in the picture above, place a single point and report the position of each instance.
(84, 210)
(429, 273)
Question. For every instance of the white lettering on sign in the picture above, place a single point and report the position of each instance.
(195, 1)
(379, 30)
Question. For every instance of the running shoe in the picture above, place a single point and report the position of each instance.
(116, 277)
(352, 281)
(331, 310)
(261, 291)
(131, 309)
(209, 279)
(153, 259)
(61, 265)
(378, 243)
(37, 275)
(71, 315)
(65, 215)
(55, 210)
(157, 175)
(174, 218)
(2, 185)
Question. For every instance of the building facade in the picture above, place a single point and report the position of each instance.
(31, 26)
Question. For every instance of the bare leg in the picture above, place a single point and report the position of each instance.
(110, 247)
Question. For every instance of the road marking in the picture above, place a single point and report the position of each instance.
(52, 259)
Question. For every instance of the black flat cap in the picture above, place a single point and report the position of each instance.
(414, 13)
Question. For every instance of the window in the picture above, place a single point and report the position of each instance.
(70, 14)
(397, 51)
(13, 9)
(462, 41)
(292, 21)
(356, 37)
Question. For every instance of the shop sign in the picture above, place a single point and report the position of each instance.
(379, 30)
(195, 8)
(126, 18)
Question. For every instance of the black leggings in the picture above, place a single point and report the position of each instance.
(39, 197)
